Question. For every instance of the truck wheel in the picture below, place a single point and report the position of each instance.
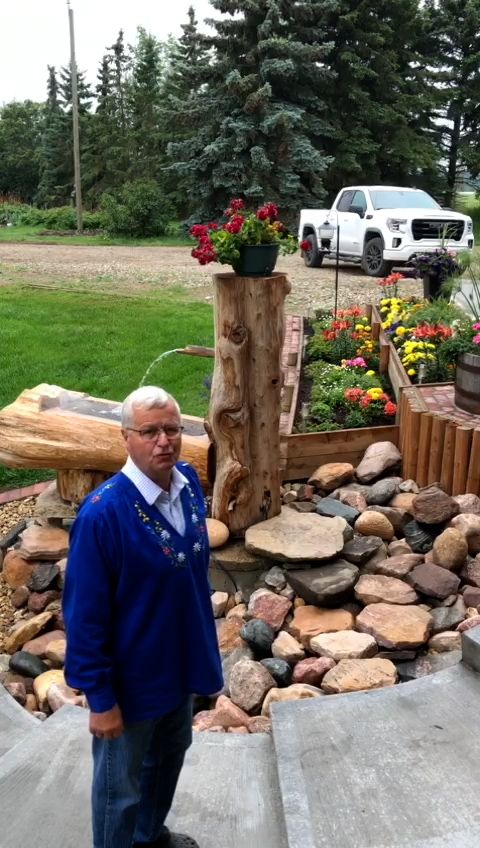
(373, 262)
(312, 257)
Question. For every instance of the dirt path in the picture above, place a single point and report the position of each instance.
(142, 269)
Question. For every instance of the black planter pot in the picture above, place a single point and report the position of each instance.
(257, 260)
(467, 383)
(432, 287)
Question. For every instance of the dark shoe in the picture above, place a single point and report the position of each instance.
(172, 840)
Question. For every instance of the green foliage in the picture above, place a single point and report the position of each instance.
(140, 209)
(331, 409)
(59, 218)
(20, 136)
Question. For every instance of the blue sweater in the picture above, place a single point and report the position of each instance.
(136, 603)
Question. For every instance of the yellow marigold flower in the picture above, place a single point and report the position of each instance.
(370, 373)
(411, 372)
(401, 331)
(368, 329)
(431, 346)
(359, 328)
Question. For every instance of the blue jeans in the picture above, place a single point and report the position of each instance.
(135, 778)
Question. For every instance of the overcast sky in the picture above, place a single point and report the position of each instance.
(34, 34)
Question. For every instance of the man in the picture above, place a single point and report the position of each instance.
(140, 629)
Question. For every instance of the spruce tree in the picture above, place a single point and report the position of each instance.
(259, 112)
(21, 126)
(54, 168)
(144, 99)
(453, 48)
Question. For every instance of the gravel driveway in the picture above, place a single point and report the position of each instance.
(130, 270)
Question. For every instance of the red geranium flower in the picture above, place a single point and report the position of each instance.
(199, 230)
(354, 395)
(390, 408)
(305, 245)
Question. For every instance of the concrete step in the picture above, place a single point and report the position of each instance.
(391, 768)
(15, 722)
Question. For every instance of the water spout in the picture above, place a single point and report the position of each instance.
(156, 362)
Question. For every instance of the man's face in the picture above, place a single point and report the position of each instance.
(156, 456)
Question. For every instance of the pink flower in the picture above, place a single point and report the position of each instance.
(476, 327)
(476, 339)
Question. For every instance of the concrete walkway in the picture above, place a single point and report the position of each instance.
(392, 768)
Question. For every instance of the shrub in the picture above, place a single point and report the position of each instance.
(140, 209)
(59, 218)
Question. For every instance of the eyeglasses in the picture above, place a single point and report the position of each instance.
(172, 432)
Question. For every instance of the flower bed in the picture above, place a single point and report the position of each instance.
(345, 388)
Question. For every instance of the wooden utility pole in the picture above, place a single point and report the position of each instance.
(76, 125)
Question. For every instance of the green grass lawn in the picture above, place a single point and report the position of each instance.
(31, 235)
(100, 344)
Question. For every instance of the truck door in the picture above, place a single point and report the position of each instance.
(351, 219)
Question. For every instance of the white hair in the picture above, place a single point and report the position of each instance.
(148, 397)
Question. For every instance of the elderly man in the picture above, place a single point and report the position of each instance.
(140, 629)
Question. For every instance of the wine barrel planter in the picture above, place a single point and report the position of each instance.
(467, 383)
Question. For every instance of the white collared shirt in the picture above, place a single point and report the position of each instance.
(169, 504)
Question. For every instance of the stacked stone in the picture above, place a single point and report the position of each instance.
(371, 582)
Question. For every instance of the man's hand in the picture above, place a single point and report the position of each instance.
(107, 725)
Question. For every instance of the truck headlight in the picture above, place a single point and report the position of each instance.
(469, 226)
(397, 225)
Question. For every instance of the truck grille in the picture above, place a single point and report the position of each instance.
(437, 228)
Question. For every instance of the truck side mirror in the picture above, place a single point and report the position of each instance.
(357, 210)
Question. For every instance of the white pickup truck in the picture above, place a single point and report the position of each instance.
(381, 227)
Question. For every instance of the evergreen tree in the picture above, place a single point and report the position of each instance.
(188, 59)
(53, 188)
(21, 126)
(259, 112)
(453, 50)
(144, 100)
(380, 100)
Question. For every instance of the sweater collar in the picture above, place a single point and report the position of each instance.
(150, 490)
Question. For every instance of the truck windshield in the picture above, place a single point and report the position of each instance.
(402, 200)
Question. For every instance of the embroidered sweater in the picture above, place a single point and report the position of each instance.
(136, 603)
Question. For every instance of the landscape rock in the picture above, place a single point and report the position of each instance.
(228, 634)
(347, 644)
(445, 618)
(293, 537)
(50, 505)
(468, 503)
(230, 661)
(289, 498)
(377, 588)
(378, 457)
(60, 695)
(329, 507)
(17, 570)
(310, 621)
(351, 498)
(42, 684)
(280, 670)
(371, 523)
(27, 664)
(312, 670)
(39, 601)
(409, 486)
(218, 532)
(269, 607)
(227, 714)
(275, 579)
(296, 692)
(398, 566)
(240, 611)
(17, 691)
(259, 724)
(332, 475)
(469, 526)
(396, 627)
(216, 729)
(55, 652)
(203, 720)
(31, 705)
(325, 586)
(469, 624)
(28, 630)
(249, 684)
(5, 662)
(219, 603)
(404, 502)
(471, 596)
(433, 581)
(357, 675)
(434, 506)
(259, 636)
(396, 517)
(470, 573)
(20, 597)
(418, 538)
(39, 645)
(430, 664)
(382, 492)
(361, 549)
(399, 547)
(450, 549)
(286, 647)
(303, 506)
(371, 565)
(445, 641)
(43, 576)
(45, 543)
(235, 557)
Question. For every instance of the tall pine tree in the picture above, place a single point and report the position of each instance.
(259, 112)
(144, 102)
(54, 168)
(21, 126)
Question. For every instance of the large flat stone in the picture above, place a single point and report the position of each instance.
(50, 543)
(345, 645)
(309, 621)
(396, 627)
(360, 674)
(433, 580)
(325, 586)
(293, 537)
(376, 588)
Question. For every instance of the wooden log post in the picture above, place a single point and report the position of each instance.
(244, 415)
(473, 476)
(461, 460)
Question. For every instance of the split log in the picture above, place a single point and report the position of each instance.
(49, 427)
(244, 412)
